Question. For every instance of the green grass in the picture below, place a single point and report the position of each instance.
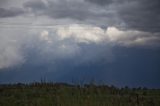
(46, 94)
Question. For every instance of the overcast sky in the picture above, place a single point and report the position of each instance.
(112, 41)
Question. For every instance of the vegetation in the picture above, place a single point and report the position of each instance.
(61, 94)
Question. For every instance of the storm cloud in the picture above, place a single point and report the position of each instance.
(77, 10)
(107, 12)
(101, 2)
(69, 42)
(137, 14)
(141, 15)
(67, 37)
(12, 12)
(104, 22)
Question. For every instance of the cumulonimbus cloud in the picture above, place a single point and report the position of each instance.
(65, 42)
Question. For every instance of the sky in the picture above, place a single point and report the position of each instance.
(114, 42)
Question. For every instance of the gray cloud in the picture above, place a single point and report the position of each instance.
(11, 52)
(3, 2)
(141, 15)
(138, 14)
(12, 12)
(100, 2)
(36, 5)
(74, 10)
(57, 9)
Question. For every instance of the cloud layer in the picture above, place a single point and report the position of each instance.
(137, 15)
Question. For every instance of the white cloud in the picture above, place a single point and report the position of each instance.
(88, 34)
(45, 36)
(131, 37)
(81, 33)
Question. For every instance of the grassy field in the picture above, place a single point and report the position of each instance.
(60, 94)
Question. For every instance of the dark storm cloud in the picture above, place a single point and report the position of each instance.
(142, 15)
(12, 12)
(75, 10)
(138, 14)
(100, 2)
(37, 5)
